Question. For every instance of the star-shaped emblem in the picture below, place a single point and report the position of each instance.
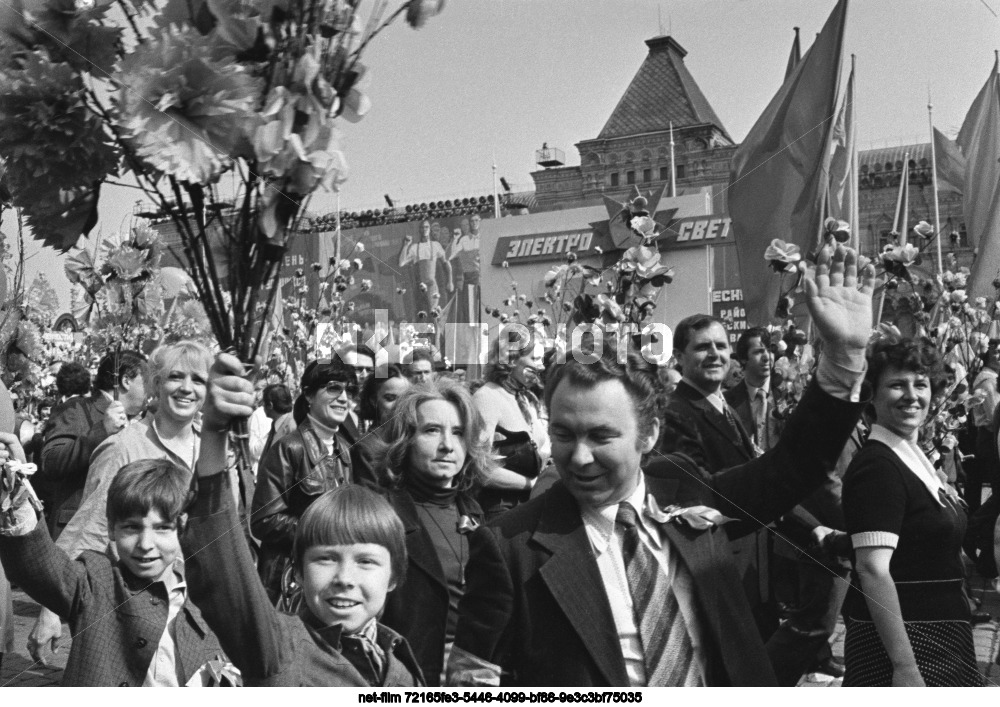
(620, 214)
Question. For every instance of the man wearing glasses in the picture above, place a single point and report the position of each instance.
(303, 465)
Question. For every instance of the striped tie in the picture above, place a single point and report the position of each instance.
(666, 644)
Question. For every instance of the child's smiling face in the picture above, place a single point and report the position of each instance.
(147, 545)
(346, 584)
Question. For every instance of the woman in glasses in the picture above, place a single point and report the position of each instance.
(302, 465)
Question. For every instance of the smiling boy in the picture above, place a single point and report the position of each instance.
(348, 553)
(128, 608)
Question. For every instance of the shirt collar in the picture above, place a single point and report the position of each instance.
(600, 522)
(715, 399)
(766, 387)
(913, 458)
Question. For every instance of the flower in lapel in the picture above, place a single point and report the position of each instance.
(467, 524)
(697, 517)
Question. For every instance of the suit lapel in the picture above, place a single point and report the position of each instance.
(718, 420)
(572, 576)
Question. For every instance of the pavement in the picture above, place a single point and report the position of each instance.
(19, 670)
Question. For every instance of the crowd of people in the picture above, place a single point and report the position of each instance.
(589, 518)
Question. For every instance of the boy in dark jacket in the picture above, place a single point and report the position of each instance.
(349, 552)
(128, 608)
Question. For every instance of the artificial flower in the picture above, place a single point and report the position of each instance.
(782, 256)
(419, 11)
(184, 109)
(839, 230)
(924, 230)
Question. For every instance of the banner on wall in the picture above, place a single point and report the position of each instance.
(728, 306)
(425, 272)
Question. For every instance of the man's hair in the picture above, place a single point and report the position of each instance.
(145, 485)
(422, 353)
(73, 379)
(277, 397)
(349, 515)
(743, 343)
(689, 325)
(165, 358)
(638, 375)
(401, 430)
(118, 366)
(368, 400)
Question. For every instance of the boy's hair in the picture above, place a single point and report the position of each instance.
(349, 515)
(145, 485)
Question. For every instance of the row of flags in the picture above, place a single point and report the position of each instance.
(799, 165)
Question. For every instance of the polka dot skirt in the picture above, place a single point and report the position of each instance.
(945, 653)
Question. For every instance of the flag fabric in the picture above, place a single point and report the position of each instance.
(780, 174)
(979, 139)
(843, 165)
(950, 164)
(795, 56)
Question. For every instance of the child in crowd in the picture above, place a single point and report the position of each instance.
(349, 551)
(128, 608)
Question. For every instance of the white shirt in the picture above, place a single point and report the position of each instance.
(163, 668)
(606, 542)
(716, 399)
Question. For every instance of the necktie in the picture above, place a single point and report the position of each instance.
(731, 419)
(759, 407)
(666, 644)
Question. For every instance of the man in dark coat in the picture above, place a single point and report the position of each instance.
(553, 595)
(700, 423)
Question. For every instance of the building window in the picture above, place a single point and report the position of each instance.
(680, 171)
(614, 179)
(630, 177)
(647, 175)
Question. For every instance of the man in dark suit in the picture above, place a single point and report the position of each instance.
(594, 583)
(751, 399)
(700, 423)
(811, 582)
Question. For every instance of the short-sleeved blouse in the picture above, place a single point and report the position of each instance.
(881, 494)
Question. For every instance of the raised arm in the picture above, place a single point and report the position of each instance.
(220, 572)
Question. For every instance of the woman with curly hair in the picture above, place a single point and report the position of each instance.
(378, 397)
(513, 419)
(437, 455)
(907, 613)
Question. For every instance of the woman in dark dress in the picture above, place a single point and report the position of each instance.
(907, 613)
(436, 456)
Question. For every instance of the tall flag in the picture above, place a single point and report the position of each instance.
(950, 164)
(979, 139)
(780, 174)
(843, 195)
(795, 56)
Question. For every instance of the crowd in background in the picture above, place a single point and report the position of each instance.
(404, 526)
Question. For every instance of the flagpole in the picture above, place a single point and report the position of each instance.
(899, 220)
(496, 199)
(937, 208)
(853, 182)
(673, 166)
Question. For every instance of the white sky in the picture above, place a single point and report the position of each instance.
(500, 77)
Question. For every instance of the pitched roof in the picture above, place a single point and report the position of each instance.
(662, 91)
